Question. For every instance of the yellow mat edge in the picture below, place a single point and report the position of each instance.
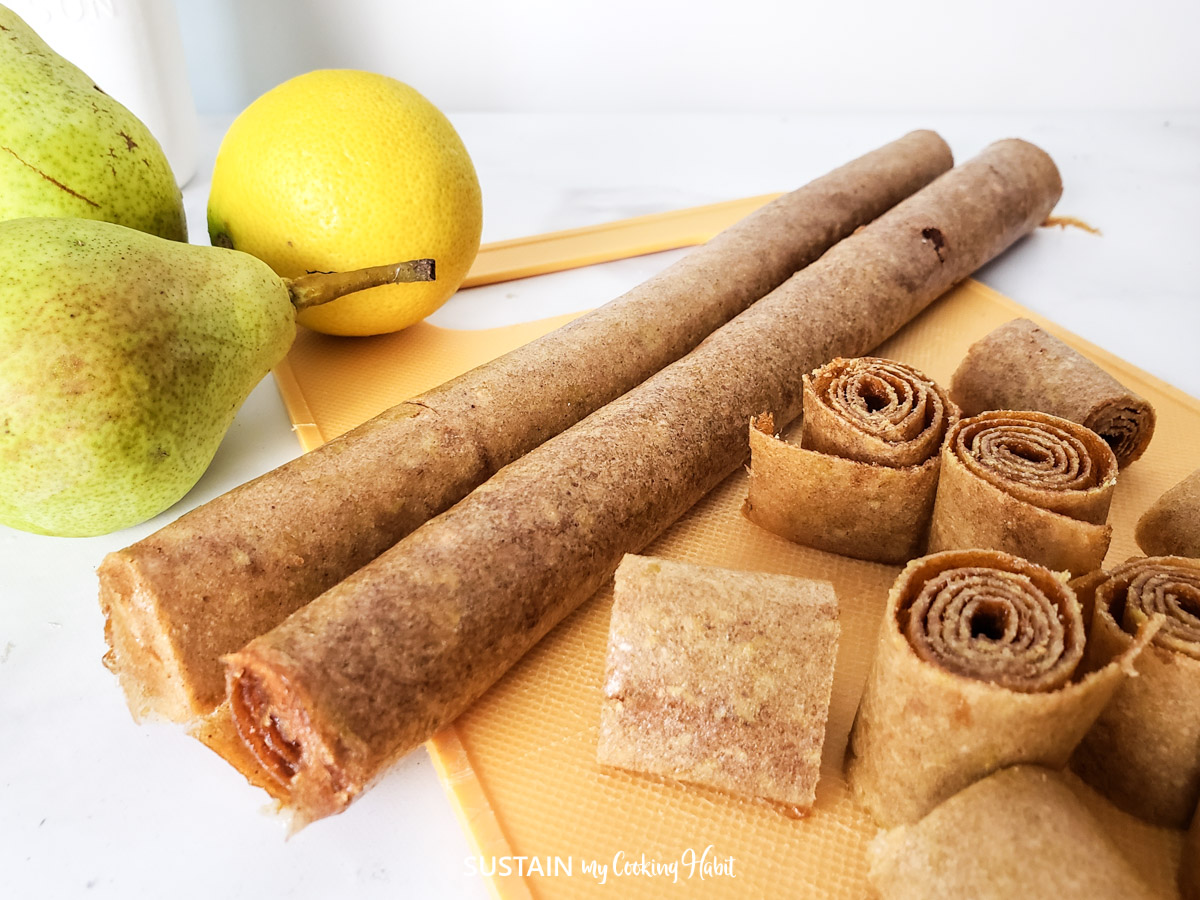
(473, 809)
(304, 423)
(573, 248)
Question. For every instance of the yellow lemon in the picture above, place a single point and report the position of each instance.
(337, 170)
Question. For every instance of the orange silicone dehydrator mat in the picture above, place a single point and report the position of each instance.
(520, 766)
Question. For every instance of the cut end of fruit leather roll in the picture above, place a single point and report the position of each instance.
(861, 482)
(1021, 366)
(1028, 483)
(1143, 753)
(310, 768)
(976, 669)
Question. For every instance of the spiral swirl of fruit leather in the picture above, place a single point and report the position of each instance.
(1028, 483)
(976, 670)
(995, 625)
(862, 480)
(1144, 750)
(1020, 366)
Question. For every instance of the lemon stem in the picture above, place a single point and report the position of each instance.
(321, 287)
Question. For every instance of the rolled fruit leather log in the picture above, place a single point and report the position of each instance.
(1020, 366)
(375, 665)
(862, 480)
(1143, 752)
(975, 671)
(237, 566)
(1019, 834)
(1171, 527)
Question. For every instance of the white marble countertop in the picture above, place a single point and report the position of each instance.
(91, 804)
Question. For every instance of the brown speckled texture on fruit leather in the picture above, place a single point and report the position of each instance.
(1018, 834)
(1027, 483)
(378, 663)
(1144, 750)
(1171, 527)
(719, 677)
(1021, 366)
(232, 569)
(520, 764)
(975, 670)
(862, 479)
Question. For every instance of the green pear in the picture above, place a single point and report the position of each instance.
(69, 149)
(123, 358)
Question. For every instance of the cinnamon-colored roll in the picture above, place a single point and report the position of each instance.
(1020, 366)
(862, 480)
(975, 671)
(1028, 483)
(1144, 750)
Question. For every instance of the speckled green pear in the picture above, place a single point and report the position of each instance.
(123, 358)
(68, 149)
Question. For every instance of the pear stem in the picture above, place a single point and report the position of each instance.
(321, 287)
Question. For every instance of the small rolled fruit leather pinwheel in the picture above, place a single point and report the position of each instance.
(862, 480)
(976, 670)
(1029, 484)
(1144, 750)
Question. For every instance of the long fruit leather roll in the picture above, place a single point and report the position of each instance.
(364, 673)
(237, 566)
(1144, 750)
(975, 671)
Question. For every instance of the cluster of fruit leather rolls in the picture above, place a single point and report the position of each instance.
(1020, 366)
(862, 480)
(974, 671)
(1028, 483)
(1171, 527)
(1143, 753)
(237, 566)
(1018, 834)
(377, 664)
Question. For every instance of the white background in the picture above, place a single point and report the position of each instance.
(711, 55)
(577, 113)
